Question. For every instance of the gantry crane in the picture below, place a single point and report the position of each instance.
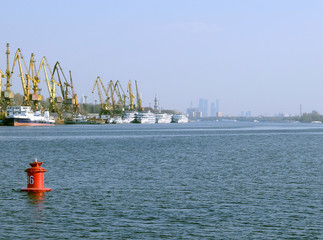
(131, 96)
(139, 106)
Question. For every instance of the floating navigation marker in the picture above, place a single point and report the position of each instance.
(35, 178)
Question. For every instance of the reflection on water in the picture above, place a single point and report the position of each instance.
(38, 203)
(36, 198)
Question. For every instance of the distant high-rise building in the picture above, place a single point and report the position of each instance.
(206, 108)
(201, 104)
(212, 110)
(193, 113)
(217, 106)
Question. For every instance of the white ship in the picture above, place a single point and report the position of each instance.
(129, 117)
(163, 118)
(179, 118)
(116, 120)
(144, 117)
(24, 116)
(79, 119)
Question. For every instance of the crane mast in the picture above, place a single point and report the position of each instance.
(35, 97)
(139, 107)
(7, 94)
(131, 96)
(1, 76)
(111, 89)
(74, 101)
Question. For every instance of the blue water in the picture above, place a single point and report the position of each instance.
(203, 180)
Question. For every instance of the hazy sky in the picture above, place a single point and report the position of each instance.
(262, 56)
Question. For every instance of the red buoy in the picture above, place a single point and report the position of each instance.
(35, 178)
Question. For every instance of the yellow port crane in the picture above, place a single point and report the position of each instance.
(111, 89)
(1, 76)
(25, 82)
(51, 86)
(35, 96)
(76, 106)
(68, 101)
(122, 98)
(7, 94)
(105, 105)
(1, 110)
(139, 106)
(131, 96)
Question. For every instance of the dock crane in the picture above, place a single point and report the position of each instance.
(7, 94)
(111, 92)
(76, 106)
(51, 86)
(25, 82)
(122, 98)
(105, 105)
(1, 76)
(1, 103)
(36, 97)
(139, 106)
(68, 101)
(131, 96)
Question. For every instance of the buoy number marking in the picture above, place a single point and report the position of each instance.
(30, 179)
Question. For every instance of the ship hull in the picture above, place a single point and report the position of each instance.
(26, 122)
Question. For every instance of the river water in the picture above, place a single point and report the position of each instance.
(202, 180)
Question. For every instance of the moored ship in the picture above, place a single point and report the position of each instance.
(163, 118)
(24, 116)
(179, 118)
(144, 117)
(129, 117)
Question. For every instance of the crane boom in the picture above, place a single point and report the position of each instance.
(122, 98)
(96, 85)
(56, 69)
(42, 65)
(8, 74)
(51, 86)
(76, 106)
(18, 57)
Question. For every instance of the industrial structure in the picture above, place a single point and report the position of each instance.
(62, 100)
(115, 101)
